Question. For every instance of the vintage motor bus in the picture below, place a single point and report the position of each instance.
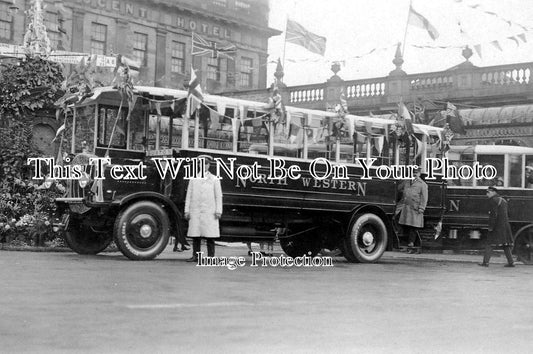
(328, 205)
(466, 218)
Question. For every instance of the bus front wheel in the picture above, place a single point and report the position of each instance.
(142, 230)
(366, 239)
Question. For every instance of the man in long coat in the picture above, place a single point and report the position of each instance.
(412, 205)
(500, 233)
(203, 209)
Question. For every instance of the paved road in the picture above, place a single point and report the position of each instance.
(63, 302)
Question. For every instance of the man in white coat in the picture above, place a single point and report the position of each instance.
(203, 209)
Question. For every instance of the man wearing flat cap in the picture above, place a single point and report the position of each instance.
(500, 233)
(203, 209)
(412, 205)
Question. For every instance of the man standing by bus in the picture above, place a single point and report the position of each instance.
(500, 233)
(412, 206)
(203, 209)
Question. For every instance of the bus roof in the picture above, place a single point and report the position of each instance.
(490, 149)
(167, 94)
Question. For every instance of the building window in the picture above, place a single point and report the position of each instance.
(177, 61)
(6, 23)
(222, 3)
(215, 68)
(242, 5)
(98, 38)
(140, 42)
(51, 21)
(213, 71)
(246, 77)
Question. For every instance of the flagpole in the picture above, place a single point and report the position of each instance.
(185, 125)
(196, 128)
(406, 27)
(188, 110)
(285, 41)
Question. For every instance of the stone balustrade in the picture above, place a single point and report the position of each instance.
(517, 74)
(431, 81)
(486, 86)
(306, 93)
(365, 88)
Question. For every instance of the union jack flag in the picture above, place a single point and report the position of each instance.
(201, 46)
(297, 34)
(195, 95)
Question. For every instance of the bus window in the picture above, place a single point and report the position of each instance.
(164, 132)
(461, 181)
(498, 162)
(220, 129)
(107, 120)
(137, 134)
(515, 171)
(153, 132)
(529, 171)
(383, 151)
(254, 131)
(84, 130)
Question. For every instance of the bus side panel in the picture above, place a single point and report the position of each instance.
(304, 193)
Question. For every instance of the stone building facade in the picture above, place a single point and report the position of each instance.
(157, 33)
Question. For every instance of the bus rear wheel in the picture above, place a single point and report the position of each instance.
(366, 239)
(142, 230)
(83, 239)
(523, 245)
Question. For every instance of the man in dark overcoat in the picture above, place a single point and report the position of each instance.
(412, 205)
(500, 233)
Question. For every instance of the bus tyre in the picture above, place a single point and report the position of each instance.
(142, 230)
(366, 239)
(307, 244)
(523, 245)
(83, 239)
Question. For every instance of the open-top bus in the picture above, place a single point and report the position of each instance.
(328, 205)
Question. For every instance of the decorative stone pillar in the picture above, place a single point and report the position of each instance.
(121, 37)
(285, 97)
(334, 87)
(77, 31)
(262, 71)
(397, 87)
(463, 78)
(160, 57)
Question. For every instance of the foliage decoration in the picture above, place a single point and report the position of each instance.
(27, 85)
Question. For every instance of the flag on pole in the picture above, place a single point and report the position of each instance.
(451, 110)
(404, 113)
(201, 46)
(420, 21)
(59, 132)
(195, 95)
(454, 120)
(297, 34)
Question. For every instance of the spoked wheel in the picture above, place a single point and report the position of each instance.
(366, 239)
(524, 245)
(305, 244)
(142, 230)
(85, 239)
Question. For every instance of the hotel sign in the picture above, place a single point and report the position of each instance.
(139, 10)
